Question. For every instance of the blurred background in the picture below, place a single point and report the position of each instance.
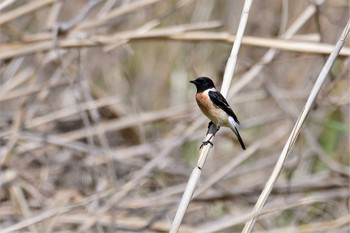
(99, 130)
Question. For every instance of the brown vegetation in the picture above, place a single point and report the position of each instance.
(99, 130)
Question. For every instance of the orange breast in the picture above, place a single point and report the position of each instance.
(215, 114)
(203, 102)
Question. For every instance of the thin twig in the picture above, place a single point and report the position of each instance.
(297, 127)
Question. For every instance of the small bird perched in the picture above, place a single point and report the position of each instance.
(214, 105)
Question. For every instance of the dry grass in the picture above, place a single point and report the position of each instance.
(99, 131)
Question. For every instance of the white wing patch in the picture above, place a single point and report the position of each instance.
(232, 122)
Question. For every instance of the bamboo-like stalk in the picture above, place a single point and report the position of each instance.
(297, 127)
(204, 152)
(43, 42)
(23, 10)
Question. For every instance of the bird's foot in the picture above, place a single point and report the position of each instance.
(206, 143)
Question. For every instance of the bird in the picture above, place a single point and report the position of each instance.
(214, 105)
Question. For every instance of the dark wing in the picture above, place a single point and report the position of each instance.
(220, 101)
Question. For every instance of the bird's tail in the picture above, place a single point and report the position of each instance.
(233, 125)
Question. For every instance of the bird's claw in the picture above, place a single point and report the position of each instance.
(206, 143)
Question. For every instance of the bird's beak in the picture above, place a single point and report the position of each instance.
(193, 81)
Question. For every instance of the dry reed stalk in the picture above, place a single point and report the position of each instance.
(125, 122)
(15, 50)
(71, 110)
(204, 152)
(297, 201)
(107, 7)
(66, 26)
(19, 197)
(48, 214)
(310, 138)
(326, 226)
(32, 147)
(123, 155)
(23, 10)
(130, 223)
(151, 24)
(253, 72)
(11, 83)
(138, 176)
(15, 132)
(120, 11)
(236, 161)
(32, 220)
(54, 13)
(48, 42)
(273, 43)
(297, 127)
(25, 91)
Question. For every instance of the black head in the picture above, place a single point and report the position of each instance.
(203, 83)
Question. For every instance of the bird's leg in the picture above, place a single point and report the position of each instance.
(209, 124)
(208, 141)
